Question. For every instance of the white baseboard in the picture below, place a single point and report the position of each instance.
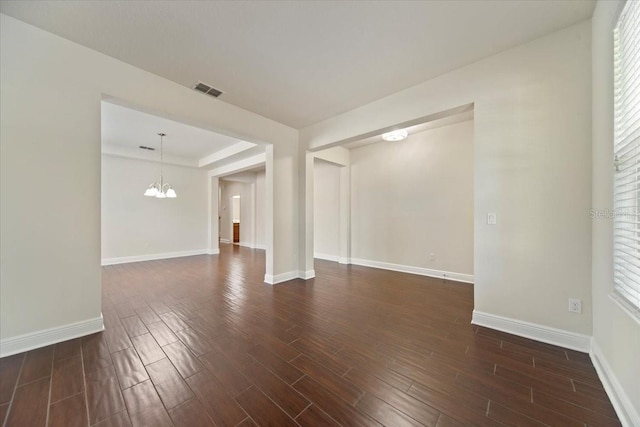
(534, 331)
(45, 337)
(151, 257)
(214, 251)
(343, 260)
(290, 275)
(621, 402)
(279, 278)
(327, 257)
(458, 277)
(253, 246)
(306, 275)
(245, 244)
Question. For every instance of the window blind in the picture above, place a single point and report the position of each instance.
(626, 218)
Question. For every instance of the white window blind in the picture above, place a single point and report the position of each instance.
(626, 219)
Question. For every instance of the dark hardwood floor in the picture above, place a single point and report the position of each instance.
(202, 341)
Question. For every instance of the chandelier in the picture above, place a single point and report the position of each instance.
(162, 189)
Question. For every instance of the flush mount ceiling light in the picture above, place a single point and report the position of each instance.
(161, 190)
(395, 135)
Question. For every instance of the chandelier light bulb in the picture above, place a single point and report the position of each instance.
(171, 193)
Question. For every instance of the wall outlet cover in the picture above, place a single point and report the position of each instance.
(575, 305)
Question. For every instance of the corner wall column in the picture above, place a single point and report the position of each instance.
(213, 243)
(306, 215)
(345, 215)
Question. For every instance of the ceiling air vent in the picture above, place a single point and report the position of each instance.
(147, 148)
(205, 88)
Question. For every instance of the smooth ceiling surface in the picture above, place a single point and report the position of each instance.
(300, 62)
(130, 128)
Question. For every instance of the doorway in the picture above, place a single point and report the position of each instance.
(235, 215)
(243, 208)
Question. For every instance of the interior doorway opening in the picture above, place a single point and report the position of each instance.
(400, 200)
(242, 209)
(235, 219)
(194, 156)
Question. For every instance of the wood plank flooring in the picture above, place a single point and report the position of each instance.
(201, 341)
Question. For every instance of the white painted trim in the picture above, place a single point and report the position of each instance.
(290, 275)
(236, 148)
(151, 257)
(534, 331)
(225, 241)
(279, 278)
(215, 251)
(327, 257)
(458, 277)
(620, 400)
(343, 260)
(26, 342)
(247, 245)
(239, 166)
(260, 247)
(306, 275)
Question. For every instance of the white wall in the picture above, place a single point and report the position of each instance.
(326, 210)
(286, 213)
(235, 208)
(261, 193)
(50, 94)
(414, 198)
(616, 335)
(532, 166)
(134, 225)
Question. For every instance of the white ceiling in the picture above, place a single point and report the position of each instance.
(125, 129)
(129, 128)
(299, 62)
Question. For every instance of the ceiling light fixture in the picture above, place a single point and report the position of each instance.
(161, 190)
(395, 135)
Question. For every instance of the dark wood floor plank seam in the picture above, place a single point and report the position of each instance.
(50, 387)
(271, 400)
(307, 407)
(84, 382)
(15, 388)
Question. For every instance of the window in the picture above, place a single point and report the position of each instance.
(626, 219)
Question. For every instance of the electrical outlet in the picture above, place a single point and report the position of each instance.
(492, 218)
(432, 257)
(575, 305)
